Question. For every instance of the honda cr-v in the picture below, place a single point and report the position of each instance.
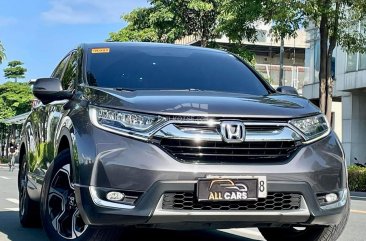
(176, 137)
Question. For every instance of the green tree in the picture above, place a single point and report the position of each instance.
(15, 99)
(168, 20)
(2, 53)
(336, 20)
(238, 19)
(139, 28)
(15, 70)
(195, 17)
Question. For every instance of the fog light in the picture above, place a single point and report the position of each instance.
(115, 196)
(331, 197)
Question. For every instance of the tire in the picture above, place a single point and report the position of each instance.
(311, 233)
(59, 212)
(29, 215)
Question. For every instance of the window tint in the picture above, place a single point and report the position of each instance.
(57, 73)
(71, 73)
(166, 68)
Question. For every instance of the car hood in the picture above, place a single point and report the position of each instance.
(202, 103)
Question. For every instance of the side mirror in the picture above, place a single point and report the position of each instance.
(288, 90)
(48, 90)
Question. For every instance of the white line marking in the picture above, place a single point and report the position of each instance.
(13, 200)
(358, 211)
(6, 178)
(12, 209)
(241, 232)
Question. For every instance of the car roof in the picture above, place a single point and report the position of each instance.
(114, 45)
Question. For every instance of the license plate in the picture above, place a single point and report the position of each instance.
(232, 189)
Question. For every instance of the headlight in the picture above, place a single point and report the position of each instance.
(123, 121)
(312, 128)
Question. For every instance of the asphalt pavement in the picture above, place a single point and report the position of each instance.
(11, 230)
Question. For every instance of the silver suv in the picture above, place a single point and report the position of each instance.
(165, 136)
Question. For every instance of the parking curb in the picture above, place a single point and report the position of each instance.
(358, 195)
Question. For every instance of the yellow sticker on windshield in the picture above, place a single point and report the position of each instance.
(100, 50)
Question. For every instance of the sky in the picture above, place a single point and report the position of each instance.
(41, 32)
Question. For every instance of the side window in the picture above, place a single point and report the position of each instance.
(71, 73)
(57, 73)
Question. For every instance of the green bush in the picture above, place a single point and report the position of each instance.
(4, 160)
(357, 178)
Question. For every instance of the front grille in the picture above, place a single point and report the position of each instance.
(222, 152)
(274, 201)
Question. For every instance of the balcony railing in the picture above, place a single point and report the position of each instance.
(293, 75)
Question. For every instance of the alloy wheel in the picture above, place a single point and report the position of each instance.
(62, 208)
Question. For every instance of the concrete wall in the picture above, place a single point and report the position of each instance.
(354, 127)
(347, 81)
(338, 119)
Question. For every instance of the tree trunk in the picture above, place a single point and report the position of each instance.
(323, 78)
(282, 57)
(332, 45)
(329, 88)
(7, 142)
(204, 42)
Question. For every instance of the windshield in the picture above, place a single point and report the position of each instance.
(171, 68)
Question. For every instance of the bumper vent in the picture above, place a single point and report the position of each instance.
(221, 152)
(274, 201)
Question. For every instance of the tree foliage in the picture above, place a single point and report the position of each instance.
(15, 99)
(239, 19)
(152, 24)
(2, 53)
(284, 17)
(15, 70)
(168, 20)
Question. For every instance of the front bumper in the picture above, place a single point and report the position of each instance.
(148, 210)
(130, 165)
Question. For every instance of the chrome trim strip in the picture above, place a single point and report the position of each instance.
(286, 134)
(317, 138)
(173, 132)
(342, 201)
(189, 215)
(105, 204)
(167, 129)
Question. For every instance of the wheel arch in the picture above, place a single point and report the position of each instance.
(22, 152)
(66, 140)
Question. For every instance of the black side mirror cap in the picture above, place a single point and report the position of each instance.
(48, 90)
(288, 90)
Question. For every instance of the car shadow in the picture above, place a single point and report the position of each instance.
(10, 229)
(169, 235)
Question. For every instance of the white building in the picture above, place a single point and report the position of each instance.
(349, 95)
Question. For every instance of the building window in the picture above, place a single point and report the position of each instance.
(351, 62)
(357, 61)
(362, 62)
